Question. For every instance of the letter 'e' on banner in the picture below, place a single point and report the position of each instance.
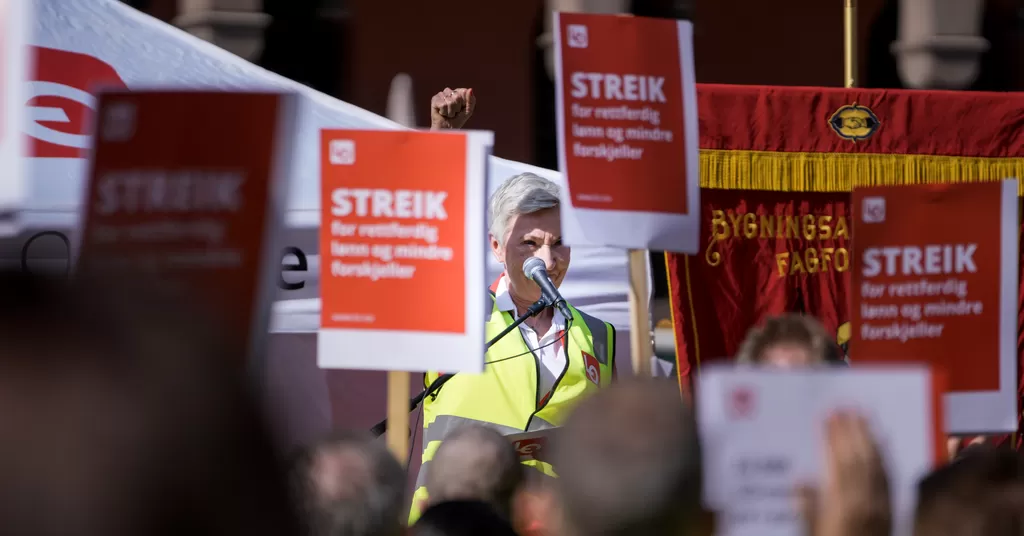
(626, 102)
(402, 238)
(188, 188)
(936, 281)
(15, 65)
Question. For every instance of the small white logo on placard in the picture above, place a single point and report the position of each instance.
(118, 122)
(577, 36)
(342, 152)
(873, 210)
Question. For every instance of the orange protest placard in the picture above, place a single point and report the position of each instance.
(627, 127)
(401, 241)
(186, 187)
(936, 281)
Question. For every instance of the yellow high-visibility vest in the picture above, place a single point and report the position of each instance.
(505, 396)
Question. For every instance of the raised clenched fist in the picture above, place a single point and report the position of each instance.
(451, 108)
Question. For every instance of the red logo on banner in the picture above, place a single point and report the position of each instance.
(741, 403)
(60, 101)
(593, 369)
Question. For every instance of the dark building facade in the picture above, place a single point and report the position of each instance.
(352, 49)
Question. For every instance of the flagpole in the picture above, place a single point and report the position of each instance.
(850, 43)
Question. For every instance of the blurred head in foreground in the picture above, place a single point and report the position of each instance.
(981, 493)
(121, 416)
(788, 341)
(349, 485)
(461, 518)
(629, 462)
(475, 463)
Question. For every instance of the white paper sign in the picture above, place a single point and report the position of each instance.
(762, 433)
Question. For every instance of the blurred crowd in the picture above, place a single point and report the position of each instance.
(127, 413)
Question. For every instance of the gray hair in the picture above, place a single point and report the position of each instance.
(525, 193)
(370, 497)
(629, 462)
(475, 463)
(788, 328)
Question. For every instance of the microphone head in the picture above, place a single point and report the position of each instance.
(534, 266)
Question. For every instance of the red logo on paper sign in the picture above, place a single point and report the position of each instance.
(741, 403)
(61, 103)
(593, 369)
(530, 448)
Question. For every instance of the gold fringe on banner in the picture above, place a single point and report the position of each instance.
(840, 172)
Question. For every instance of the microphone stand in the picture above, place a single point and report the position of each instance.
(538, 306)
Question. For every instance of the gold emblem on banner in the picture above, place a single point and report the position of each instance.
(854, 122)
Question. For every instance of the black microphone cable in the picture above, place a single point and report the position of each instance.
(564, 338)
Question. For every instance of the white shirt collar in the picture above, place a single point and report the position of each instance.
(503, 299)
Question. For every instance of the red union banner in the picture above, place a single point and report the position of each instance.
(764, 253)
(763, 148)
(767, 253)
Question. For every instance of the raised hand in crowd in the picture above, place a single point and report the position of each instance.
(451, 108)
(853, 498)
(956, 445)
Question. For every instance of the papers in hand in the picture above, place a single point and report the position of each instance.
(533, 445)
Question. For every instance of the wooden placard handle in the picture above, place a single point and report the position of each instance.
(639, 314)
(398, 415)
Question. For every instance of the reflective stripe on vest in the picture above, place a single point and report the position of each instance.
(599, 333)
(435, 433)
(499, 394)
(444, 425)
(505, 397)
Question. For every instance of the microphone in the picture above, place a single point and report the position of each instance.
(537, 272)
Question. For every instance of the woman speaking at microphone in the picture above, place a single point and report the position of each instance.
(534, 375)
